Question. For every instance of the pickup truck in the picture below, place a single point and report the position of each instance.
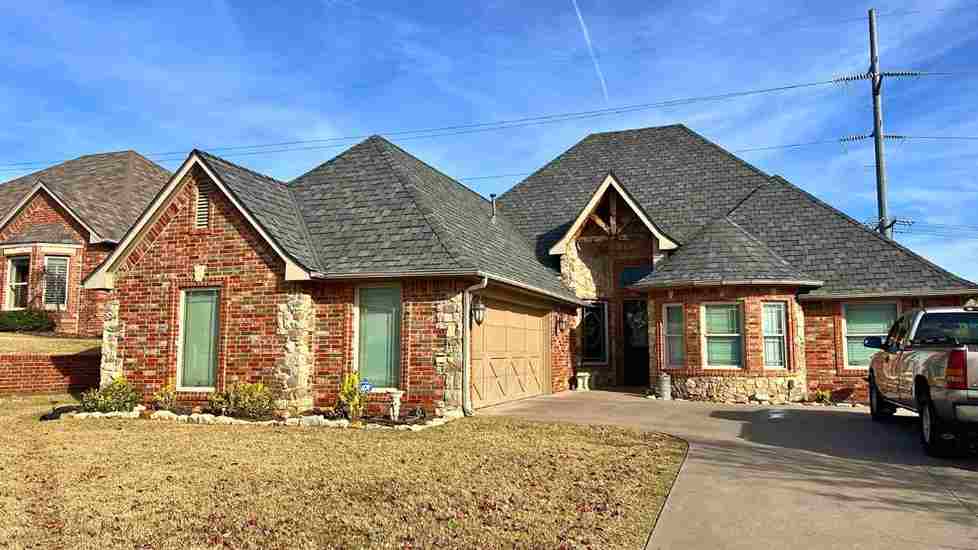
(928, 363)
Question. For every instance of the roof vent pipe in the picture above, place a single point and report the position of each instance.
(492, 200)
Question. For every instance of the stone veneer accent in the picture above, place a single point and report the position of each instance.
(293, 371)
(584, 269)
(448, 361)
(111, 332)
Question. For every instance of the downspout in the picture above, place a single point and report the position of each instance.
(466, 342)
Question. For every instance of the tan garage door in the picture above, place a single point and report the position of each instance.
(508, 354)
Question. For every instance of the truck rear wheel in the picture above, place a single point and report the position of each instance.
(878, 407)
(932, 432)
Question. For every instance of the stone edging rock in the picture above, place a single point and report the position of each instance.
(305, 421)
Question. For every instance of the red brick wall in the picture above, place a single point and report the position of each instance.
(35, 373)
(824, 341)
(751, 299)
(82, 315)
(562, 350)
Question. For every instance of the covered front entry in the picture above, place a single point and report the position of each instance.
(509, 355)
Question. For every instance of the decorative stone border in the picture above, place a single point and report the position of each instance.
(303, 421)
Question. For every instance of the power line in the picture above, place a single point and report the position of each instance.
(460, 129)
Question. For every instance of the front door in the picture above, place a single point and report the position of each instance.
(635, 320)
(380, 336)
(199, 362)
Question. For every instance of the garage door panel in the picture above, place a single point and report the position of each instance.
(510, 358)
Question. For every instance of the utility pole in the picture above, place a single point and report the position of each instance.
(876, 79)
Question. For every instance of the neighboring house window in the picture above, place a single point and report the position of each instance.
(862, 320)
(775, 341)
(203, 206)
(18, 270)
(675, 339)
(632, 275)
(55, 280)
(595, 333)
(724, 340)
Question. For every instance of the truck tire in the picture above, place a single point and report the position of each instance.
(879, 408)
(931, 431)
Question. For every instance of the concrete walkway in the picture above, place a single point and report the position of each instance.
(789, 476)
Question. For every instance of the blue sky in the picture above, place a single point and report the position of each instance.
(167, 77)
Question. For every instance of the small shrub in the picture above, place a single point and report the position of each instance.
(253, 401)
(119, 395)
(26, 320)
(823, 396)
(352, 398)
(165, 399)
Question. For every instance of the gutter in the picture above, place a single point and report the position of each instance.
(466, 337)
(893, 294)
(732, 282)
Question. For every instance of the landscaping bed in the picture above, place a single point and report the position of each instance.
(477, 482)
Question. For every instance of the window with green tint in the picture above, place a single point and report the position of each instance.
(380, 336)
(774, 322)
(198, 367)
(864, 320)
(675, 339)
(724, 340)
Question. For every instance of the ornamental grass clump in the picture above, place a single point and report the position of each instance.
(251, 401)
(117, 396)
(352, 397)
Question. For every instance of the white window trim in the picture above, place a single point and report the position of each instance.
(180, 329)
(607, 342)
(704, 337)
(355, 355)
(8, 290)
(665, 336)
(784, 336)
(845, 330)
(56, 307)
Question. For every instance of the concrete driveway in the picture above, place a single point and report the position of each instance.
(789, 476)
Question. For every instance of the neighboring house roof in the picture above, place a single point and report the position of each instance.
(722, 253)
(829, 245)
(684, 182)
(51, 233)
(376, 209)
(107, 191)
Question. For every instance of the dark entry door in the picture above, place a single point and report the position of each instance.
(635, 320)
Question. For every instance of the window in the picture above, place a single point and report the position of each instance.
(862, 320)
(632, 275)
(379, 354)
(774, 326)
(55, 280)
(203, 206)
(197, 368)
(18, 276)
(724, 342)
(674, 330)
(595, 333)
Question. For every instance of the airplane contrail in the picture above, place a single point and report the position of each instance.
(590, 49)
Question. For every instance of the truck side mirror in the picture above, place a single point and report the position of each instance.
(874, 342)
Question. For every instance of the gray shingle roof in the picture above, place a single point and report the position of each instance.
(722, 253)
(829, 245)
(680, 179)
(376, 209)
(108, 191)
(271, 203)
(53, 233)
(683, 182)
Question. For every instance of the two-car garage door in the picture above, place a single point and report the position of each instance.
(509, 354)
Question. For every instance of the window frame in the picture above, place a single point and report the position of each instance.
(783, 336)
(181, 328)
(355, 340)
(44, 289)
(606, 358)
(666, 334)
(705, 336)
(846, 335)
(8, 304)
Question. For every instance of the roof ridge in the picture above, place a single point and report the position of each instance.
(379, 144)
(724, 152)
(238, 166)
(422, 161)
(839, 213)
(305, 228)
(764, 246)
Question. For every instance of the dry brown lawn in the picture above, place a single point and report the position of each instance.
(50, 345)
(475, 483)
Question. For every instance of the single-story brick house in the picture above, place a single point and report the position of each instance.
(633, 253)
(58, 224)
